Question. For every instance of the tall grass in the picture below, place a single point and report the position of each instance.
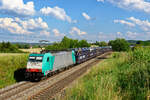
(133, 77)
(124, 76)
(9, 63)
(98, 84)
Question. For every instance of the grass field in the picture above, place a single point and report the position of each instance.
(33, 50)
(124, 76)
(9, 63)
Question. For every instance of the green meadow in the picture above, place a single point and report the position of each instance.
(123, 76)
(9, 63)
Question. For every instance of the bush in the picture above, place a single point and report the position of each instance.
(133, 76)
(9, 63)
(140, 55)
(119, 45)
(9, 48)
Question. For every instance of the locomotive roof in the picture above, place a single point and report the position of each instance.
(37, 55)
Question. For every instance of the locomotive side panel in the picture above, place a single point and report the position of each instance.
(63, 59)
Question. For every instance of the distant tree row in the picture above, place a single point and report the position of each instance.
(101, 44)
(143, 43)
(23, 46)
(27, 46)
(139, 42)
(67, 43)
(8, 48)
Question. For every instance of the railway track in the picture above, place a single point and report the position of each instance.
(46, 89)
(9, 88)
(10, 91)
(50, 91)
(15, 90)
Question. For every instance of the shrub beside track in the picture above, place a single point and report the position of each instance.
(9, 63)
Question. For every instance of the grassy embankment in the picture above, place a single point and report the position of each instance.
(33, 50)
(124, 76)
(9, 63)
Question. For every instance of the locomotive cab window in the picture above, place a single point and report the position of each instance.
(48, 59)
(35, 59)
(39, 59)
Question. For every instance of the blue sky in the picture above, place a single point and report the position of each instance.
(93, 20)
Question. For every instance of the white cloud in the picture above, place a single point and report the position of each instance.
(100, 0)
(132, 35)
(44, 32)
(124, 22)
(32, 24)
(106, 37)
(141, 5)
(57, 33)
(74, 21)
(127, 35)
(86, 16)
(144, 24)
(75, 30)
(18, 26)
(11, 26)
(57, 12)
(17, 8)
(119, 33)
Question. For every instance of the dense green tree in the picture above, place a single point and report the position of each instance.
(8, 48)
(26, 46)
(143, 43)
(119, 45)
(74, 43)
(22, 46)
(67, 43)
(96, 43)
(110, 42)
(83, 43)
(138, 42)
(103, 43)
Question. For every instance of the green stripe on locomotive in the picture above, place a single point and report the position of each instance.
(73, 57)
(36, 55)
(47, 63)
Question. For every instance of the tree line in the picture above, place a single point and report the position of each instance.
(143, 43)
(101, 43)
(6, 47)
(67, 43)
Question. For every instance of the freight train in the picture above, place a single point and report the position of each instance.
(47, 63)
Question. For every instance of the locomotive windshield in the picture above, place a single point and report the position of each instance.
(35, 59)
